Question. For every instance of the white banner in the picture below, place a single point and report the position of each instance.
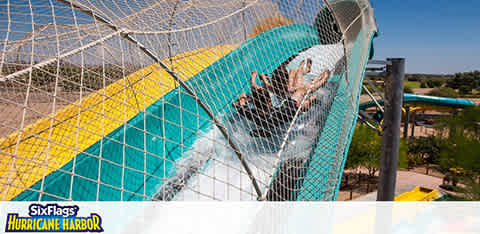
(240, 217)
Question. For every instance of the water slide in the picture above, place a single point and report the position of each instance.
(427, 102)
(123, 92)
(167, 139)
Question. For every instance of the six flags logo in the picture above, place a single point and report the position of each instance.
(53, 218)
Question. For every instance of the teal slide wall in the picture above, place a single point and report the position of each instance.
(326, 165)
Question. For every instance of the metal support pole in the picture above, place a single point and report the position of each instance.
(413, 124)
(405, 122)
(391, 129)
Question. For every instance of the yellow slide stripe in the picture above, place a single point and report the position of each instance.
(418, 194)
(79, 125)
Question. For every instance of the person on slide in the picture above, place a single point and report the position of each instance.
(284, 83)
(264, 114)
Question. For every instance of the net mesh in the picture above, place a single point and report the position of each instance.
(179, 100)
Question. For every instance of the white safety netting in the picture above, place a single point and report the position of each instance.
(142, 100)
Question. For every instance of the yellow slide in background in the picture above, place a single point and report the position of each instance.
(418, 194)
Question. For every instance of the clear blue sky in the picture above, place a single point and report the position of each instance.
(435, 36)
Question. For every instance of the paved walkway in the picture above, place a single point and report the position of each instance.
(406, 181)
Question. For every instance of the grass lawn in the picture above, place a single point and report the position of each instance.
(412, 84)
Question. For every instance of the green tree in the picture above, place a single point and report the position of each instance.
(424, 150)
(471, 190)
(460, 149)
(430, 84)
(470, 79)
(463, 123)
(437, 83)
(412, 77)
(465, 89)
(443, 92)
(365, 151)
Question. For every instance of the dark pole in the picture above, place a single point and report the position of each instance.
(413, 124)
(391, 129)
(405, 122)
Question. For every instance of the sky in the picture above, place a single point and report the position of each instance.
(434, 36)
